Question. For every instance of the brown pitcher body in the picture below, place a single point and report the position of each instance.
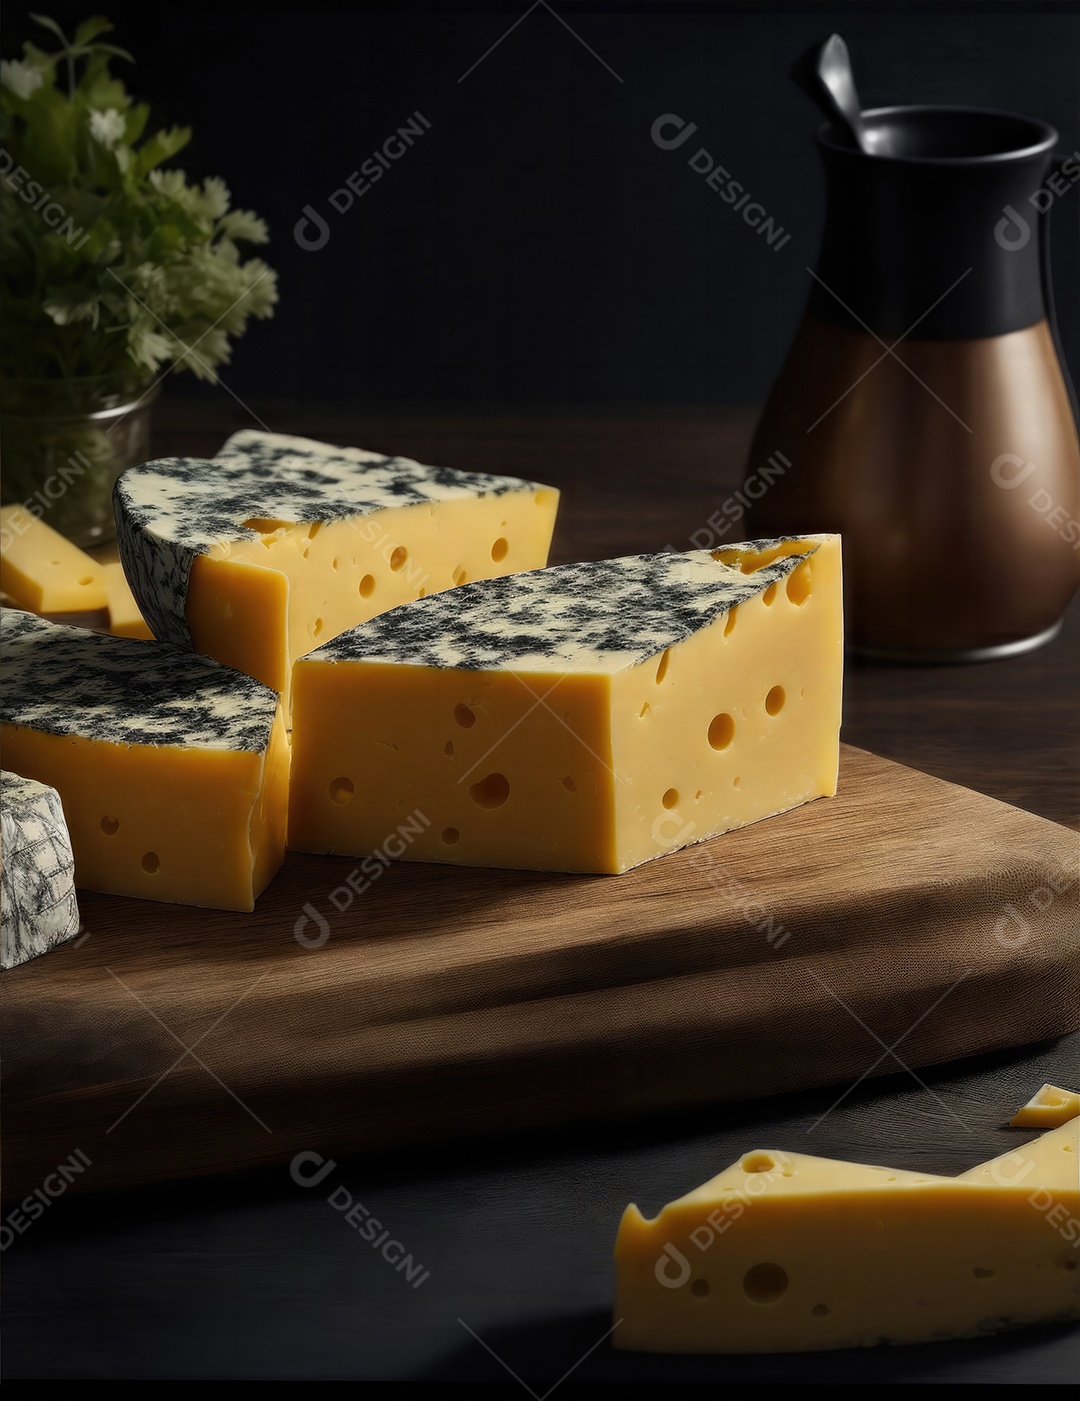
(923, 407)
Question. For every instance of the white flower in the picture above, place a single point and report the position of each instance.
(171, 183)
(215, 197)
(22, 78)
(107, 127)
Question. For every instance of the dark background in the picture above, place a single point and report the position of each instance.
(534, 249)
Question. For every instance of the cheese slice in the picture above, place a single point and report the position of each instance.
(1047, 1109)
(125, 620)
(788, 1253)
(281, 543)
(38, 908)
(44, 572)
(173, 770)
(581, 718)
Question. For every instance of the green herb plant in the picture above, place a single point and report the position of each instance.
(110, 265)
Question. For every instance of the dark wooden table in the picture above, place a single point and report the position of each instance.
(253, 1276)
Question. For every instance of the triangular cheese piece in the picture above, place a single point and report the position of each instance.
(1047, 1109)
(280, 543)
(1050, 1161)
(783, 1252)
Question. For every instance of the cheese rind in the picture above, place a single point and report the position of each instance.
(583, 718)
(1047, 1109)
(787, 1253)
(42, 570)
(37, 871)
(173, 770)
(280, 543)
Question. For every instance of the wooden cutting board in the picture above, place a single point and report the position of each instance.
(439, 1002)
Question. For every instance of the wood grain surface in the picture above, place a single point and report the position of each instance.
(443, 1002)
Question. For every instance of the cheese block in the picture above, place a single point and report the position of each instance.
(44, 572)
(586, 717)
(125, 620)
(173, 770)
(788, 1253)
(38, 909)
(1048, 1161)
(281, 543)
(1047, 1109)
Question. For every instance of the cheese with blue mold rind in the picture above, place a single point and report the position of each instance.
(281, 542)
(37, 871)
(172, 769)
(586, 717)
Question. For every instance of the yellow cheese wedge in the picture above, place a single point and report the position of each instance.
(173, 770)
(788, 1253)
(281, 543)
(125, 620)
(582, 718)
(1047, 1109)
(1048, 1161)
(42, 571)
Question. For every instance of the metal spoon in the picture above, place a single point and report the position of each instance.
(824, 73)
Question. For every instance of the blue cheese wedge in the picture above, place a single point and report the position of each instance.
(172, 769)
(582, 718)
(38, 908)
(281, 543)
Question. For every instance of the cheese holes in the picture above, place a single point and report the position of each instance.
(700, 1289)
(459, 576)
(500, 549)
(151, 864)
(661, 670)
(491, 792)
(670, 798)
(798, 584)
(448, 749)
(729, 624)
(110, 826)
(314, 529)
(450, 835)
(765, 1284)
(981, 1273)
(774, 701)
(367, 585)
(569, 785)
(769, 596)
(643, 711)
(86, 581)
(398, 558)
(317, 627)
(819, 1311)
(758, 1162)
(464, 716)
(341, 791)
(721, 730)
